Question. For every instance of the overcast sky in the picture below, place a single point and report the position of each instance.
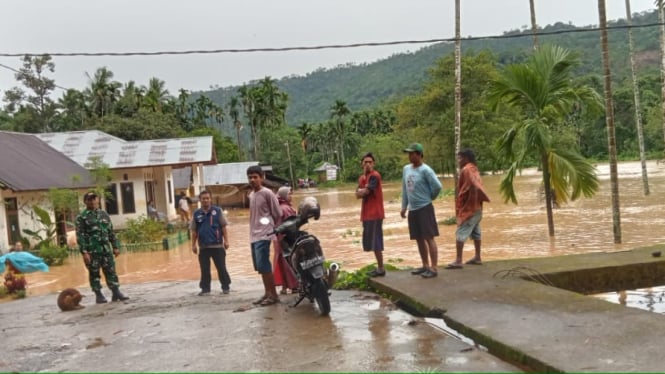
(31, 26)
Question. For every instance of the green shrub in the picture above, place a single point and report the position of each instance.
(143, 230)
(53, 255)
(357, 280)
(448, 221)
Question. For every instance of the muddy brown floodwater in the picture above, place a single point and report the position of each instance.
(509, 231)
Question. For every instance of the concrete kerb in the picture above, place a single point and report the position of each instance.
(502, 300)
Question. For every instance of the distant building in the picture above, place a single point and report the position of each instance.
(327, 172)
(141, 170)
(228, 182)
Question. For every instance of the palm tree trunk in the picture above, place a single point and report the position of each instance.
(609, 120)
(534, 26)
(661, 20)
(458, 86)
(548, 194)
(237, 125)
(636, 98)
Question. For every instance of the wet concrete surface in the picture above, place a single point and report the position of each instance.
(166, 327)
(541, 327)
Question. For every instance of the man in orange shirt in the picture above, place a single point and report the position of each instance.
(468, 207)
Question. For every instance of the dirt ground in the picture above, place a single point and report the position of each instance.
(166, 327)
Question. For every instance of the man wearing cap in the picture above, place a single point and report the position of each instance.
(420, 186)
(99, 246)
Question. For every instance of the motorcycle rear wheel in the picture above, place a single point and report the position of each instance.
(320, 293)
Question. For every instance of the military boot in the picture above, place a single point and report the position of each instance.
(117, 295)
(100, 299)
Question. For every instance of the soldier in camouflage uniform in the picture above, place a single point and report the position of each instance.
(99, 246)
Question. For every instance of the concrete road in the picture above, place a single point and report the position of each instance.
(166, 327)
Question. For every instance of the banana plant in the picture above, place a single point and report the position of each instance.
(47, 233)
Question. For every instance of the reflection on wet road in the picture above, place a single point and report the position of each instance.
(509, 231)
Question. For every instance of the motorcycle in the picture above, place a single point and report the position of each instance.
(304, 254)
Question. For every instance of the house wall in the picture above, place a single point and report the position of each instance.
(164, 192)
(26, 216)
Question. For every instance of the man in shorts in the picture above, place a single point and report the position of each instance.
(468, 207)
(420, 186)
(371, 212)
(263, 203)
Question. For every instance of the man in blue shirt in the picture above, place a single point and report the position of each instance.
(210, 240)
(420, 186)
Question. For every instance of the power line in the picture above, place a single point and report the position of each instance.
(17, 71)
(319, 47)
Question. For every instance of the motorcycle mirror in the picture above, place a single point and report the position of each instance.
(264, 221)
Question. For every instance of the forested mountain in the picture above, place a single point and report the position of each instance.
(367, 86)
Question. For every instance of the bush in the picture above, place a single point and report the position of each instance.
(357, 280)
(53, 255)
(143, 230)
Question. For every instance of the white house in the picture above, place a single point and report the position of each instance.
(141, 170)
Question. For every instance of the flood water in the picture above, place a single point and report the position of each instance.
(509, 231)
(650, 299)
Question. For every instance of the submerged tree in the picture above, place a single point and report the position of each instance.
(542, 90)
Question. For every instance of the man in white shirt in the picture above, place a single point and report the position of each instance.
(184, 207)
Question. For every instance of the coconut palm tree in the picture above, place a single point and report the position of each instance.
(234, 113)
(609, 121)
(542, 89)
(636, 99)
(102, 92)
(156, 95)
(338, 113)
(72, 110)
(248, 100)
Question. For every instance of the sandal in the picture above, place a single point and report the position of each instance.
(376, 273)
(453, 265)
(283, 292)
(259, 301)
(268, 301)
(474, 261)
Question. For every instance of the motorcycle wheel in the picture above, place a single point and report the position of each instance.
(320, 293)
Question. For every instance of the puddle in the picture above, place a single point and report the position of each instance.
(441, 325)
(650, 299)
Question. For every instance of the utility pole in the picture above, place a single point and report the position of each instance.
(288, 155)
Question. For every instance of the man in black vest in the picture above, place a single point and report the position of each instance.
(208, 227)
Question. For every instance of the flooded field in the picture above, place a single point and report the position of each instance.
(509, 231)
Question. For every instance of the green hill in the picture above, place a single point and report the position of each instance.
(368, 85)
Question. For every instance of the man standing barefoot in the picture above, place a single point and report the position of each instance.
(371, 212)
(468, 207)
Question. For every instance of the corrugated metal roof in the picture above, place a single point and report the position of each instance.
(83, 146)
(230, 173)
(29, 164)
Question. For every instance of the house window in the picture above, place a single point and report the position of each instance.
(127, 192)
(111, 199)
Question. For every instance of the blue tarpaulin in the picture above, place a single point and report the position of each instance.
(25, 262)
